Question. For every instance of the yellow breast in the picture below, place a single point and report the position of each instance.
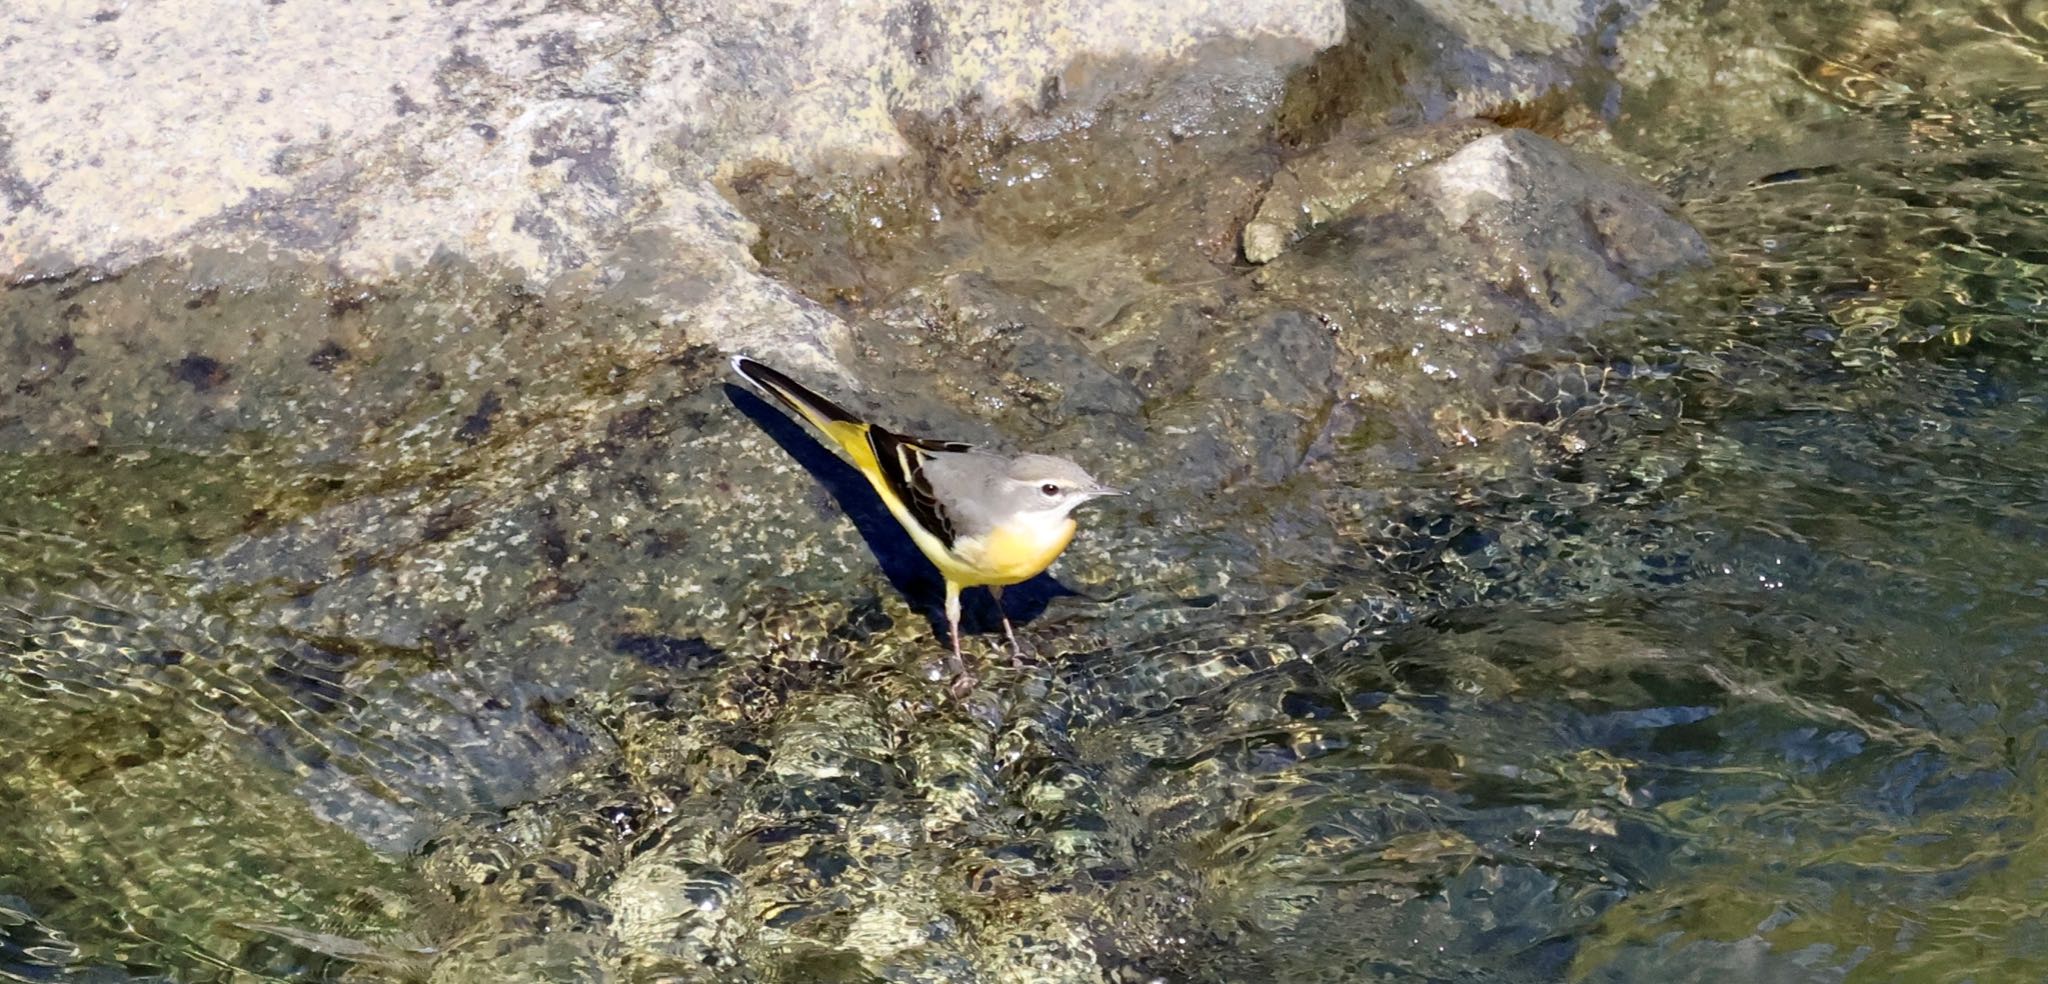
(1011, 553)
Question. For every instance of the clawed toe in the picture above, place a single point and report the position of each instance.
(963, 684)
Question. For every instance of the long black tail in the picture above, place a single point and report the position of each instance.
(793, 394)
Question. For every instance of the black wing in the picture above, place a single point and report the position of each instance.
(902, 459)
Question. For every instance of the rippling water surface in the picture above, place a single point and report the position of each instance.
(1731, 663)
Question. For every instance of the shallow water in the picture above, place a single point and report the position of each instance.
(1721, 659)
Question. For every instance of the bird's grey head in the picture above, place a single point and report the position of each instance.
(1043, 483)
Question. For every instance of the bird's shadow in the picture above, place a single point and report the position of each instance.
(906, 567)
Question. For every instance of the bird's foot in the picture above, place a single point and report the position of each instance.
(953, 667)
(1018, 657)
(964, 682)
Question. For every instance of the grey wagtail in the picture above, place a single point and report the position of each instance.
(983, 520)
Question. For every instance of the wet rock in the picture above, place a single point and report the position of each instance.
(1500, 248)
(1548, 66)
(1253, 416)
(201, 372)
(1318, 188)
(1485, 183)
(995, 345)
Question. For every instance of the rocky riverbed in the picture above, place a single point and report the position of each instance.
(1586, 465)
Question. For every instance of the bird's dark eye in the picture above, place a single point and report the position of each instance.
(1049, 489)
